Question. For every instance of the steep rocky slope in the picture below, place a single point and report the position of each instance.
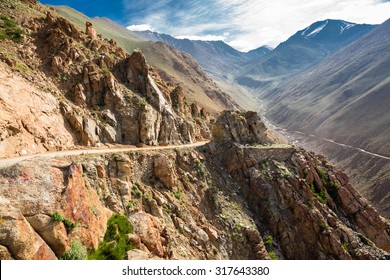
(239, 197)
(172, 64)
(63, 87)
(345, 99)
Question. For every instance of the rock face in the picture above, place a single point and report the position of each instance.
(90, 31)
(163, 170)
(302, 200)
(239, 197)
(19, 240)
(149, 230)
(54, 233)
(239, 127)
(257, 201)
(85, 90)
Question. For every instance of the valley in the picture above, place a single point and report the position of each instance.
(122, 145)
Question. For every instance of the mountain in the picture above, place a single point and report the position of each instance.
(102, 157)
(68, 87)
(304, 49)
(218, 201)
(216, 57)
(344, 98)
(175, 66)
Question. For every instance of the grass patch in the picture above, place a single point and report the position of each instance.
(77, 251)
(69, 224)
(268, 240)
(273, 255)
(116, 241)
(345, 246)
(9, 29)
(104, 71)
(365, 240)
(148, 197)
(136, 192)
(57, 217)
(320, 195)
(22, 68)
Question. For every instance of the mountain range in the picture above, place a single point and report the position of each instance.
(118, 146)
(330, 80)
(216, 57)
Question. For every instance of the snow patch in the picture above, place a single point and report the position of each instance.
(317, 30)
(347, 26)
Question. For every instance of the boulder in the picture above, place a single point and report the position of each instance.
(90, 31)
(54, 233)
(22, 242)
(141, 255)
(177, 97)
(149, 229)
(163, 170)
(239, 127)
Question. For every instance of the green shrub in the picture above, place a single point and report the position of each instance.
(148, 197)
(69, 225)
(104, 71)
(116, 241)
(57, 217)
(365, 240)
(268, 240)
(77, 251)
(21, 67)
(273, 255)
(320, 195)
(9, 29)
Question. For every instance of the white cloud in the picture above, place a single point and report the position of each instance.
(140, 27)
(271, 22)
(248, 24)
(202, 38)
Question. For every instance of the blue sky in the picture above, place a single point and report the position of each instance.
(243, 24)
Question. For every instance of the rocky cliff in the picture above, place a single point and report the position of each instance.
(63, 87)
(239, 197)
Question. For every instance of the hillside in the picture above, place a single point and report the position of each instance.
(241, 196)
(216, 57)
(304, 49)
(345, 98)
(62, 87)
(349, 87)
(173, 65)
(102, 157)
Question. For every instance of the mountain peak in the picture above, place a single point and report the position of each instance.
(331, 30)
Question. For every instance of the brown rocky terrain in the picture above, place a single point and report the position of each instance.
(239, 197)
(63, 87)
(173, 65)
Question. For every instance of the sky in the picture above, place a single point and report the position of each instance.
(243, 24)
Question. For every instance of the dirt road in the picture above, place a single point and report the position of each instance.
(12, 161)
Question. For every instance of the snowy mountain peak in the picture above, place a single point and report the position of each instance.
(315, 31)
(327, 30)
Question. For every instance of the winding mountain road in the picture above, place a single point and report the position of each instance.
(342, 145)
(12, 161)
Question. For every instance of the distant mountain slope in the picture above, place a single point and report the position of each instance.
(173, 65)
(345, 98)
(304, 49)
(216, 57)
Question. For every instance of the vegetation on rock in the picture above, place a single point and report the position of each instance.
(9, 29)
(77, 251)
(116, 241)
